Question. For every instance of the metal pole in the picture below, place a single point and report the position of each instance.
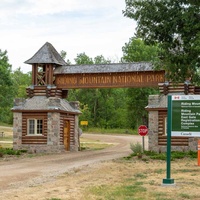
(168, 179)
(143, 143)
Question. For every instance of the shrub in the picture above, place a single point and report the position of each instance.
(136, 148)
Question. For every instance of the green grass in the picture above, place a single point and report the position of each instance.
(94, 145)
(89, 144)
(111, 131)
(5, 124)
(185, 196)
(124, 191)
(54, 199)
(162, 156)
(6, 145)
(6, 138)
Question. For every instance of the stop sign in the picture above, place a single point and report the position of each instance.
(142, 130)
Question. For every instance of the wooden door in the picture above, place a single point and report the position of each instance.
(67, 134)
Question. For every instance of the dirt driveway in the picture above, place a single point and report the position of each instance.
(28, 172)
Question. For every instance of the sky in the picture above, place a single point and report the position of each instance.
(96, 27)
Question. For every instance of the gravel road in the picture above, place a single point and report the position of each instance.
(31, 171)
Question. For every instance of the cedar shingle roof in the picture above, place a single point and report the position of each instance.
(105, 68)
(41, 103)
(46, 54)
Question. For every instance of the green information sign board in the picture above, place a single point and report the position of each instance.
(185, 115)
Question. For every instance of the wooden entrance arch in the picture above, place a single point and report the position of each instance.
(56, 122)
(118, 75)
(46, 122)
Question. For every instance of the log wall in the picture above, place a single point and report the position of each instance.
(45, 91)
(40, 139)
(178, 88)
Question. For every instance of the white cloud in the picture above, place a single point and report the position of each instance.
(44, 7)
(92, 26)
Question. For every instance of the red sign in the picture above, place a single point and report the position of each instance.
(142, 130)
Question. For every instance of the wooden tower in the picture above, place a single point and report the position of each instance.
(44, 62)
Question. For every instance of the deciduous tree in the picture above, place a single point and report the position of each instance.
(21, 81)
(106, 106)
(175, 26)
(137, 98)
(7, 90)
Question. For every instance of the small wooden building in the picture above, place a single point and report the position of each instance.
(45, 121)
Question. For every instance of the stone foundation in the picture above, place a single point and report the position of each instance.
(42, 148)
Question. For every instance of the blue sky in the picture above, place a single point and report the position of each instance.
(96, 27)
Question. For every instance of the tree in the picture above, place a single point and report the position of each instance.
(21, 82)
(137, 98)
(7, 90)
(106, 106)
(64, 56)
(175, 26)
(83, 59)
(136, 51)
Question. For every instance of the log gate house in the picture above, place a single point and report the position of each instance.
(47, 122)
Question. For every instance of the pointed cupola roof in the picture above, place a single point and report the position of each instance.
(46, 54)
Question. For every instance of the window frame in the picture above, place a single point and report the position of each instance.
(37, 122)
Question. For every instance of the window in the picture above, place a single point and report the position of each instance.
(35, 126)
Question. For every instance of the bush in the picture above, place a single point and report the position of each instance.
(136, 148)
(8, 151)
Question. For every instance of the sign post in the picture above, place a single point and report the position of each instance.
(168, 179)
(186, 115)
(183, 119)
(143, 130)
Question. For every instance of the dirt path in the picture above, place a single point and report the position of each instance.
(28, 172)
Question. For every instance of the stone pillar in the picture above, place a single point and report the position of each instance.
(153, 102)
(76, 135)
(17, 130)
(153, 131)
(53, 125)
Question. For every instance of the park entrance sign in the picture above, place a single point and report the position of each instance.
(116, 75)
(185, 115)
(183, 119)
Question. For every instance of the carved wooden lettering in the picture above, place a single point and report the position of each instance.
(110, 80)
